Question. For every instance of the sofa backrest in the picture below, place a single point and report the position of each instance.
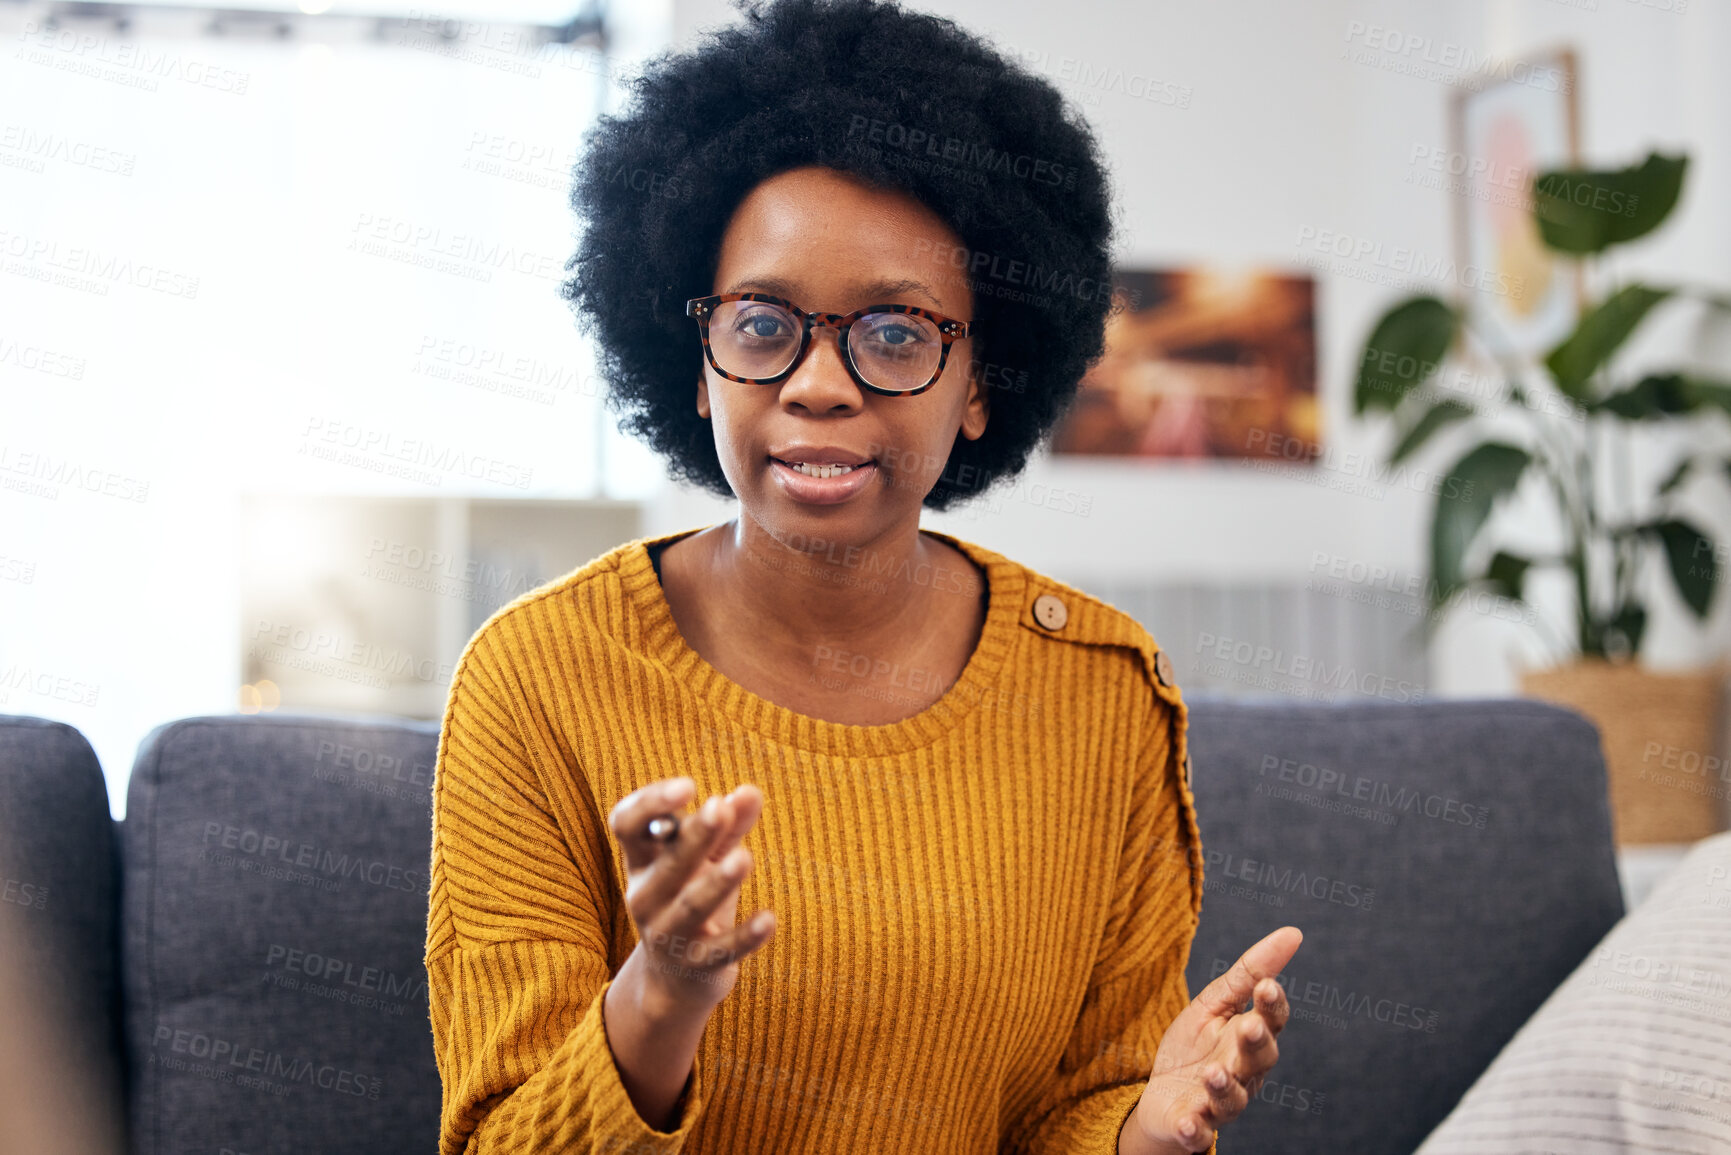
(58, 887)
(274, 913)
(1449, 863)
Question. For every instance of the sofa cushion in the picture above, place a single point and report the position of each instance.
(58, 893)
(1449, 863)
(275, 907)
(1631, 1052)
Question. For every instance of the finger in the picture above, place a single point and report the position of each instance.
(737, 942)
(698, 899)
(1226, 994)
(739, 814)
(1253, 1050)
(629, 818)
(1227, 1096)
(676, 863)
(1194, 1129)
(1271, 1001)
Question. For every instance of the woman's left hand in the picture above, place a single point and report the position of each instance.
(1213, 1057)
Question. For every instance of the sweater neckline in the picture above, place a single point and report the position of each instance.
(1006, 586)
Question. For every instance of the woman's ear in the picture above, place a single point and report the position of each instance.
(979, 404)
(703, 394)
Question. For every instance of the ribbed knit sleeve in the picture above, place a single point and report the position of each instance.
(516, 951)
(1137, 986)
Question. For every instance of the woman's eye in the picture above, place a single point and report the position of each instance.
(763, 326)
(897, 335)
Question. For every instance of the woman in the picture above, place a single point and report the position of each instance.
(843, 262)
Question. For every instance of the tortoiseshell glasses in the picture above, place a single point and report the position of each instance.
(757, 339)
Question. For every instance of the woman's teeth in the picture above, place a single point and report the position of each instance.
(819, 470)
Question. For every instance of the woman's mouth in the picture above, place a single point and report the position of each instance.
(821, 484)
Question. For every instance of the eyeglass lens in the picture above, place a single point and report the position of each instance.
(754, 339)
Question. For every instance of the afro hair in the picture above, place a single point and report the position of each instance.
(897, 99)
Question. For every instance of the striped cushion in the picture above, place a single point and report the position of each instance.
(1633, 1051)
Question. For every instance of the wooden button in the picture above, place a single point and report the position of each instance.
(1050, 612)
(1163, 668)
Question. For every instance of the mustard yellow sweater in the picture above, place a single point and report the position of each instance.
(983, 911)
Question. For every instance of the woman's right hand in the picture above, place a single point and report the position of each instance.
(683, 894)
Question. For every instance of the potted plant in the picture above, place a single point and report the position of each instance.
(1548, 431)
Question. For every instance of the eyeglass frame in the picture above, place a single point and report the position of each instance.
(950, 330)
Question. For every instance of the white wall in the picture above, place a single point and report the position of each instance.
(1282, 134)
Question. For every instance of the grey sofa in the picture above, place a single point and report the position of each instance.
(244, 951)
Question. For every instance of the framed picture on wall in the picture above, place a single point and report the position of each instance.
(1202, 362)
(1503, 136)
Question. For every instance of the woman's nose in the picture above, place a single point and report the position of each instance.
(821, 382)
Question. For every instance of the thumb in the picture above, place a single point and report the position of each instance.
(1227, 994)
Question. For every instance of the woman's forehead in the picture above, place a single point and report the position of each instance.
(816, 232)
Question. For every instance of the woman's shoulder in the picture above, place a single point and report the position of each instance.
(1067, 613)
(1063, 613)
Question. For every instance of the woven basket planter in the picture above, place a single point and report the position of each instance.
(1665, 757)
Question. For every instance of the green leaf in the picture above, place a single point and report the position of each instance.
(1405, 349)
(1506, 574)
(1438, 416)
(1664, 395)
(1649, 399)
(1707, 392)
(1587, 211)
(1694, 564)
(1599, 334)
(1487, 473)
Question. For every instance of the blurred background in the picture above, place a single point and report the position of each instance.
(289, 402)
